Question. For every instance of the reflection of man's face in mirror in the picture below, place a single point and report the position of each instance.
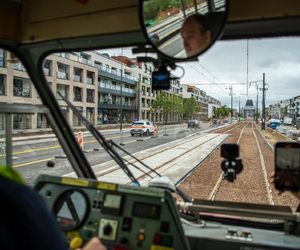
(196, 34)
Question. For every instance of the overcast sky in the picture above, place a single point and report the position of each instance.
(226, 62)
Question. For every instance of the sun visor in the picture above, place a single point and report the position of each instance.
(49, 20)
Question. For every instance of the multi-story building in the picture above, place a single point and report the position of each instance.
(294, 108)
(213, 104)
(280, 109)
(200, 96)
(102, 88)
(249, 110)
(116, 89)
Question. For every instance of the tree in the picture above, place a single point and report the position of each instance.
(163, 103)
(221, 112)
(190, 108)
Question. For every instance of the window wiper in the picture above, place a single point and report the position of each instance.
(180, 192)
(103, 142)
(108, 146)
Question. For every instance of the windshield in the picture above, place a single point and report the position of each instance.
(218, 100)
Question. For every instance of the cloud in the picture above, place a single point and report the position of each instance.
(226, 62)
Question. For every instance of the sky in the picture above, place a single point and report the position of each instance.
(226, 62)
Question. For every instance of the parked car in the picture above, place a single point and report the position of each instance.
(142, 127)
(274, 123)
(193, 124)
(154, 38)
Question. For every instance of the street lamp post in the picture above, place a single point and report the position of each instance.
(121, 103)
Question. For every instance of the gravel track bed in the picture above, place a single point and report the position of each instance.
(250, 185)
(286, 198)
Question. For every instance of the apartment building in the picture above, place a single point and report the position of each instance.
(213, 104)
(103, 89)
(200, 96)
(144, 95)
(117, 88)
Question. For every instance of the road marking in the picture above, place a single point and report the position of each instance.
(47, 148)
(170, 41)
(32, 162)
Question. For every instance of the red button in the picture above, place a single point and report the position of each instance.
(157, 239)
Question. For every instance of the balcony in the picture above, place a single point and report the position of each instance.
(18, 66)
(116, 90)
(62, 75)
(86, 61)
(115, 75)
(115, 105)
(77, 78)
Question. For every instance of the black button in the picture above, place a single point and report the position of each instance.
(164, 226)
(126, 226)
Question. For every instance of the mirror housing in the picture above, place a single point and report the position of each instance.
(182, 29)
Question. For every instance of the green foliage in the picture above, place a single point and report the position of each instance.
(190, 108)
(154, 7)
(222, 112)
(167, 105)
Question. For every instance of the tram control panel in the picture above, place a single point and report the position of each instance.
(122, 216)
(127, 217)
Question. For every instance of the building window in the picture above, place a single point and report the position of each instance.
(21, 121)
(90, 77)
(90, 115)
(77, 94)
(2, 58)
(47, 67)
(65, 111)
(90, 95)
(2, 84)
(63, 90)
(42, 121)
(62, 71)
(77, 74)
(76, 121)
(18, 66)
(21, 87)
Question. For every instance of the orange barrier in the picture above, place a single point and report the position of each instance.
(80, 139)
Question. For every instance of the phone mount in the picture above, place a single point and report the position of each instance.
(231, 166)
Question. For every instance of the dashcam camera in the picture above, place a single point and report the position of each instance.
(161, 79)
(231, 166)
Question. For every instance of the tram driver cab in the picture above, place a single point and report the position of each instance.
(65, 211)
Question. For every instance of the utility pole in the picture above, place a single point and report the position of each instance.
(256, 113)
(239, 108)
(231, 108)
(263, 125)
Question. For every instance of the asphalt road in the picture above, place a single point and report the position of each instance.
(31, 158)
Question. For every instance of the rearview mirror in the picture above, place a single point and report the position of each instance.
(183, 29)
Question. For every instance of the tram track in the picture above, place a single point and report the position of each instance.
(252, 185)
(161, 166)
(259, 182)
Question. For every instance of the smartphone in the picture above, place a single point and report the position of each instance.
(287, 166)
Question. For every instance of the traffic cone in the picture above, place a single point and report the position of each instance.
(80, 139)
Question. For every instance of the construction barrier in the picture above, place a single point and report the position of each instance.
(80, 139)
